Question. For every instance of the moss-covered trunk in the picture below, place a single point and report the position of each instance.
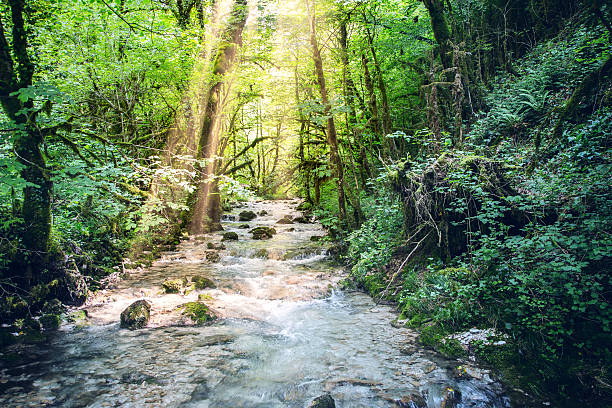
(206, 212)
(16, 71)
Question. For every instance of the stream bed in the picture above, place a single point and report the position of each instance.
(284, 337)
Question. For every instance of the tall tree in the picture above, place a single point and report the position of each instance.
(16, 71)
(206, 212)
(332, 137)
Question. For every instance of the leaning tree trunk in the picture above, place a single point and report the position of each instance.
(205, 211)
(332, 137)
(36, 209)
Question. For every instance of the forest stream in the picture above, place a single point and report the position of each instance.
(284, 336)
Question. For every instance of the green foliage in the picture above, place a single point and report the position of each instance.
(371, 246)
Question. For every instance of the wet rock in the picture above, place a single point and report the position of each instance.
(202, 282)
(50, 321)
(302, 220)
(262, 232)
(78, 317)
(330, 385)
(247, 215)
(230, 236)
(228, 217)
(218, 247)
(263, 212)
(450, 398)
(213, 256)
(198, 312)
(324, 401)
(201, 392)
(136, 315)
(429, 368)
(172, 285)
(261, 253)
(70, 289)
(244, 226)
(285, 220)
(216, 340)
(412, 401)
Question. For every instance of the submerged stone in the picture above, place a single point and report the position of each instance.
(136, 315)
(324, 401)
(246, 215)
(198, 312)
(230, 236)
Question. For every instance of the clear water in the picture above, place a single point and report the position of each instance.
(284, 338)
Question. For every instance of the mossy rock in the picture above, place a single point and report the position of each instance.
(261, 253)
(136, 315)
(213, 256)
(285, 220)
(78, 317)
(204, 296)
(302, 220)
(172, 285)
(198, 312)
(50, 321)
(244, 226)
(246, 215)
(202, 282)
(324, 401)
(230, 236)
(218, 247)
(263, 232)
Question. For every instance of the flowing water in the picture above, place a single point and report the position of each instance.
(284, 337)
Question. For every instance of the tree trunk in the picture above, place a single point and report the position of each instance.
(205, 217)
(332, 137)
(36, 209)
(440, 30)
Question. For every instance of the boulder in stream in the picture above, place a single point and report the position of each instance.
(324, 401)
(262, 232)
(136, 315)
(213, 256)
(230, 236)
(246, 215)
(302, 220)
(285, 220)
(218, 247)
(202, 282)
(173, 285)
(198, 312)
